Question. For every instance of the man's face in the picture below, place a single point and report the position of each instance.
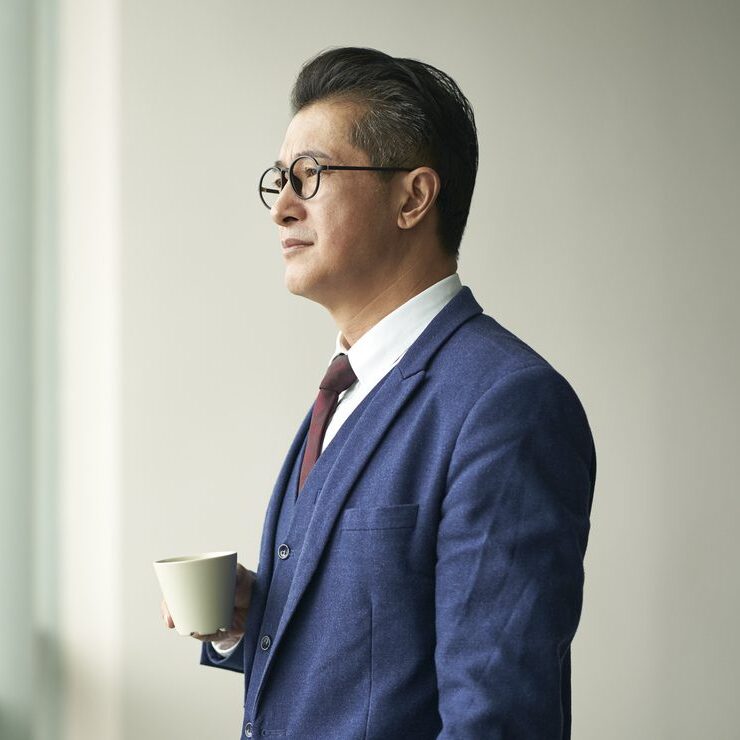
(350, 224)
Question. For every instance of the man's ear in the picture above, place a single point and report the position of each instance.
(420, 191)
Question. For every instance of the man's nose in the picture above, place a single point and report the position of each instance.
(287, 207)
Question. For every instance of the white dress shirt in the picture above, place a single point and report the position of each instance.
(379, 349)
(382, 346)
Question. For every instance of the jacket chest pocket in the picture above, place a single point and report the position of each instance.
(378, 546)
(380, 518)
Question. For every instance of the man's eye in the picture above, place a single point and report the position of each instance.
(310, 171)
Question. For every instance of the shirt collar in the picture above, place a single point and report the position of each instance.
(383, 345)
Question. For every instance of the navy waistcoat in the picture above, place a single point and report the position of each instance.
(296, 512)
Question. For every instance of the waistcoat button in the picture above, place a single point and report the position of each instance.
(265, 642)
(248, 729)
(283, 552)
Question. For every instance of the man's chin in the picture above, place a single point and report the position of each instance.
(296, 285)
(305, 289)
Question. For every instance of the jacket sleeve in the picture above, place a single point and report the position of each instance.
(233, 662)
(509, 575)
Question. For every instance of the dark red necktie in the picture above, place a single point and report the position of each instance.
(338, 378)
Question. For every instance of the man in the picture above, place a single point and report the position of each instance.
(421, 567)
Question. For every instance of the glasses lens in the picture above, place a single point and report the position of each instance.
(304, 177)
(270, 186)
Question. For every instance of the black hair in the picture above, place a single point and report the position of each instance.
(413, 115)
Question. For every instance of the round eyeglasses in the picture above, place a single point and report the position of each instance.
(304, 175)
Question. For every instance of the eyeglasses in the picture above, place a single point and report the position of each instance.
(304, 175)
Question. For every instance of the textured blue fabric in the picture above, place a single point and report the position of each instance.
(439, 582)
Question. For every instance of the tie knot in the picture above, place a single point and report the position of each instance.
(339, 376)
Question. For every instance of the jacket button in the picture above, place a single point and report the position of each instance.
(265, 642)
(283, 552)
(248, 729)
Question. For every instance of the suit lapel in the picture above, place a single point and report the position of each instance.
(379, 414)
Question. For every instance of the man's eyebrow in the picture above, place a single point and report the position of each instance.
(308, 152)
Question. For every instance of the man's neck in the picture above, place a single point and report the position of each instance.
(356, 320)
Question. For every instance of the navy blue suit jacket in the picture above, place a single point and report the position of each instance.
(441, 579)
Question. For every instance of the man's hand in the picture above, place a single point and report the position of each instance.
(226, 638)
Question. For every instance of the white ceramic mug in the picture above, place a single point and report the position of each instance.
(199, 590)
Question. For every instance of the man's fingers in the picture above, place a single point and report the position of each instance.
(244, 582)
(220, 635)
(166, 616)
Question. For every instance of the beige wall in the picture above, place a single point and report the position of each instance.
(603, 231)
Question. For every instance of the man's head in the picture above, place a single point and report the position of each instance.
(360, 107)
(408, 114)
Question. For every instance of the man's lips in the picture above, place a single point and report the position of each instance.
(292, 244)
